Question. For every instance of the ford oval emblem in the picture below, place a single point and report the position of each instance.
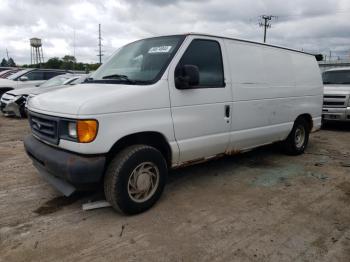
(38, 125)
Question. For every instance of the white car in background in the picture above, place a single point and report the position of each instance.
(13, 102)
(28, 77)
(7, 73)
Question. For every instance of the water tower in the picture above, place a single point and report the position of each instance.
(36, 51)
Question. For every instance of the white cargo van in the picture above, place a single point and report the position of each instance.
(166, 102)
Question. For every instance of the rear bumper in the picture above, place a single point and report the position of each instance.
(66, 171)
(336, 114)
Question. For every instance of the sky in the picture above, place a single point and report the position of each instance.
(318, 26)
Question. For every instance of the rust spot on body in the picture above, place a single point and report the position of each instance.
(200, 160)
(233, 152)
(191, 162)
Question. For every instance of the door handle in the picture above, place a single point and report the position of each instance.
(227, 111)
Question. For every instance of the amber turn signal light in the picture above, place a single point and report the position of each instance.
(86, 130)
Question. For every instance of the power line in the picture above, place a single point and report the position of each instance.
(74, 61)
(266, 23)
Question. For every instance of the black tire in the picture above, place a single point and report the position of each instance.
(119, 171)
(291, 145)
(22, 111)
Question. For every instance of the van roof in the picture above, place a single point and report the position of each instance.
(246, 41)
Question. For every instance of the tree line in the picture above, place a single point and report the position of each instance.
(67, 62)
(8, 62)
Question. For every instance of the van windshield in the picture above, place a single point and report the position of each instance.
(141, 62)
(340, 77)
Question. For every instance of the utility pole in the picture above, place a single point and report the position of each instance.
(266, 23)
(99, 44)
(74, 61)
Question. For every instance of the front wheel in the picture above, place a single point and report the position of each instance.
(297, 140)
(135, 179)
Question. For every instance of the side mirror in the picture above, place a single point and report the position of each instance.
(186, 76)
(23, 78)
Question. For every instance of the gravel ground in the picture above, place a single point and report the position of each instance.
(258, 206)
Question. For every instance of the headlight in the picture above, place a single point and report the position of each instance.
(72, 129)
(82, 131)
(13, 98)
(19, 99)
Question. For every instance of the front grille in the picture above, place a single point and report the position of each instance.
(335, 100)
(332, 103)
(45, 127)
(334, 96)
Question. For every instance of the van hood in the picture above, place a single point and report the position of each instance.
(337, 89)
(95, 98)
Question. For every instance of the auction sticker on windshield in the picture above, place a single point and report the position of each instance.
(160, 49)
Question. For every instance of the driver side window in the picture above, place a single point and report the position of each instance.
(35, 76)
(206, 55)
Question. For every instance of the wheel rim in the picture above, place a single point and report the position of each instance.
(143, 182)
(299, 136)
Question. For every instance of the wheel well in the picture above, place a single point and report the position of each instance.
(155, 139)
(307, 118)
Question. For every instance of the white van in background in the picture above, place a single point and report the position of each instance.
(166, 102)
(336, 99)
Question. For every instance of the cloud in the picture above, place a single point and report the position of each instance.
(314, 25)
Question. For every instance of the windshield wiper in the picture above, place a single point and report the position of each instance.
(121, 77)
(89, 79)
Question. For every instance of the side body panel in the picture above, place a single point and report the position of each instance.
(200, 126)
(271, 88)
(24, 84)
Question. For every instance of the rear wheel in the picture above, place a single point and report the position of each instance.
(297, 140)
(135, 179)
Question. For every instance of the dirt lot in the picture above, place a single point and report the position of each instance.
(259, 206)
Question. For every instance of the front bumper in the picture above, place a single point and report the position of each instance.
(336, 114)
(10, 109)
(66, 171)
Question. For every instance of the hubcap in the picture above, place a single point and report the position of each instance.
(299, 136)
(143, 182)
